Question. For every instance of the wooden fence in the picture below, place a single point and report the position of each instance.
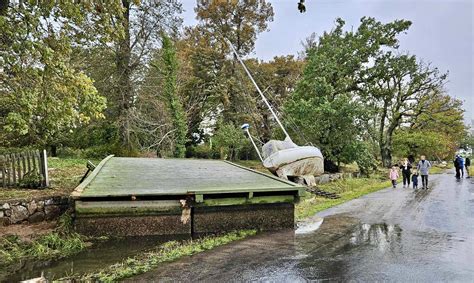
(17, 168)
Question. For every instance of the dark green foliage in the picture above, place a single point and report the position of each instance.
(229, 141)
(170, 68)
(31, 180)
(201, 151)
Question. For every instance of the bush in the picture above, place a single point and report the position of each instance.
(229, 141)
(201, 151)
(31, 180)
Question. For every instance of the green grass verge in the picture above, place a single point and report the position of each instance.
(348, 189)
(167, 252)
(437, 170)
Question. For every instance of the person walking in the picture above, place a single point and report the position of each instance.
(414, 179)
(424, 168)
(406, 172)
(461, 166)
(457, 166)
(393, 175)
(467, 164)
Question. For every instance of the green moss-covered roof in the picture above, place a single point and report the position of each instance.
(119, 176)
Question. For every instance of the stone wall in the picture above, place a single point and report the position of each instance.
(33, 211)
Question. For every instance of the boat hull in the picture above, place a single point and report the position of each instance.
(300, 161)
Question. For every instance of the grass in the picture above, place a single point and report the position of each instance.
(348, 189)
(60, 243)
(437, 170)
(64, 175)
(167, 252)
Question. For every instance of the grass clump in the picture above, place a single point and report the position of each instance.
(48, 246)
(167, 252)
(60, 243)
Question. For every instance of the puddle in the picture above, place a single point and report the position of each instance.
(100, 255)
(309, 226)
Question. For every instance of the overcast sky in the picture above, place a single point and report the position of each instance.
(442, 32)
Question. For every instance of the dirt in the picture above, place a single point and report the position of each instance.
(28, 232)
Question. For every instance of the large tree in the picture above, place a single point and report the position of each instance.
(43, 96)
(402, 89)
(328, 104)
(119, 68)
(239, 22)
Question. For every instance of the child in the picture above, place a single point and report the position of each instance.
(394, 176)
(414, 179)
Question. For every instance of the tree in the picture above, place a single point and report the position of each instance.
(402, 89)
(229, 140)
(170, 66)
(142, 24)
(43, 96)
(239, 22)
(328, 104)
(436, 132)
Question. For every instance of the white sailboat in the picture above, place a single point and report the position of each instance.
(284, 158)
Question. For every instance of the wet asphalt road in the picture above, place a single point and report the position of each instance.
(391, 235)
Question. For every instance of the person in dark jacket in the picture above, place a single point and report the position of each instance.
(414, 179)
(406, 172)
(457, 166)
(467, 164)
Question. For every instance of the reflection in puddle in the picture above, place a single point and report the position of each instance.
(309, 226)
(383, 236)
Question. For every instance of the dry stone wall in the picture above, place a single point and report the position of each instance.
(33, 211)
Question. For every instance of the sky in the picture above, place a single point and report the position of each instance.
(442, 32)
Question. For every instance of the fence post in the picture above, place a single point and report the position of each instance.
(3, 159)
(44, 160)
(13, 168)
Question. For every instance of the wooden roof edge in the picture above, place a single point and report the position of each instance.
(256, 190)
(78, 190)
(265, 174)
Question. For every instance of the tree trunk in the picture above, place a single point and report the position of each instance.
(386, 154)
(54, 150)
(124, 83)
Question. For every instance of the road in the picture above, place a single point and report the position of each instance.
(391, 235)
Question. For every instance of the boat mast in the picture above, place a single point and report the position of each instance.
(258, 89)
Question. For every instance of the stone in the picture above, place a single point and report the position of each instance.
(8, 212)
(40, 205)
(64, 201)
(32, 206)
(49, 202)
(1, 213)
(36, 217)
(6, 206)
(19, 213)
(51, 212)
(323, 179)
